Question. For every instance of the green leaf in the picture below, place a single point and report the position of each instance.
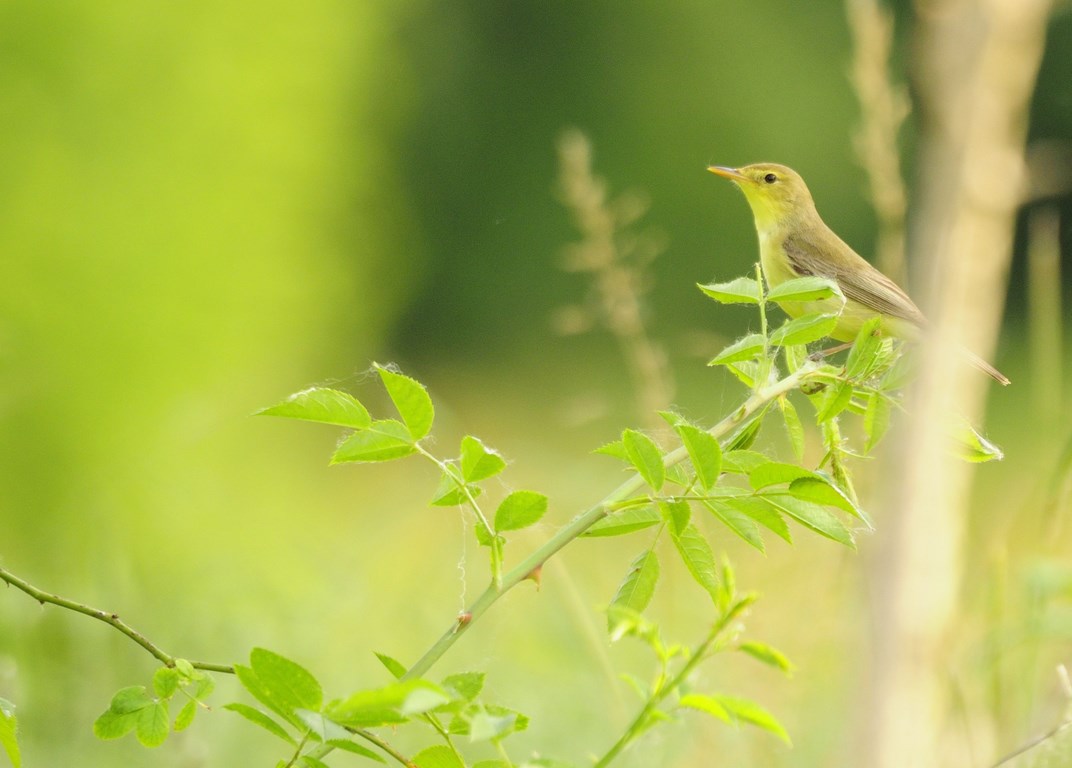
(740, 524)
(451, 491)
(837, 399)
(822, 491)
(629, 623)
(495, 764)
(747, 434)
(746, 371)
(165, 682)
(113, 725)
(793, 428)
(479, 462)
(696, 554)
(768, 655)
(673, 418)
(261, 719)
(186, 715)
(130, 699)
(679, 475)
(484, 726)
(153, 725)
(384, 440)
(313, 762)
(520, 510)
(746, 348)
(742, 461)
(322, 726)
(326, 406)
(411, 401)
(638, 586)
(348, 746)
(487, 726)
(439, 756)
(804, 289)
(424, 699)
(676, 514)
(761, 510)
(708, 704)
(864, 356)
(615, 449)
(704, 452)
(624, 521)
(384, 706)
(812, 516)
(753, 714)
(287, 682)
(394, 666)
(972, 446)
(645, 456)
(484, 537)
(467, 685)
(804, 329)
(205, 685)
(9, 733)
(774, 472)
(876, 419)
(900, 373)
(742, 290)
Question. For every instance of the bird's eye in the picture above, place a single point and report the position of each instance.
(770, 178)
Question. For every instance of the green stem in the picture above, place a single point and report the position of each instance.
(482, 520)
(663, 689)
(764, 371)
(589, 517)
(108, 618)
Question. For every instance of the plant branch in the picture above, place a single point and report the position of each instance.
(664, 688)
(108, 618)
(592, 515)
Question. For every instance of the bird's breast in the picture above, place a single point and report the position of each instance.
(776, 265)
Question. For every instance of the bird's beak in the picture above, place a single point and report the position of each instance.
(727, 173)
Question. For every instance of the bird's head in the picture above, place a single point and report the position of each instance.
(777, 194)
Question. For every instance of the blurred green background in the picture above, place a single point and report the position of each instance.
(205, 207)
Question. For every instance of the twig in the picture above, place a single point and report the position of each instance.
(586, 519)
(671, 685)
(1033, 743)
(108, 618)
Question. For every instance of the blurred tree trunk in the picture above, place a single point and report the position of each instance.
(976, 62)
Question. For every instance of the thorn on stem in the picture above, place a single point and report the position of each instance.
(535, 576)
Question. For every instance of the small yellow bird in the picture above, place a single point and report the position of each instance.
(795, 242)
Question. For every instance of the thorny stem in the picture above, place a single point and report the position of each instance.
(108, 618)
(592, 515)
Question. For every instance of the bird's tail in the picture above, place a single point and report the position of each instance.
(986, 368)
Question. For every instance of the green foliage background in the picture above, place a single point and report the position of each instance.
(205, 207)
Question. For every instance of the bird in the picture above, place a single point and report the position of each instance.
(795, 242)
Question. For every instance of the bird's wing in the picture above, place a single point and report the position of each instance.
(858, 280)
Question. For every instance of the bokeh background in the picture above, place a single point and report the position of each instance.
(205, 207)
